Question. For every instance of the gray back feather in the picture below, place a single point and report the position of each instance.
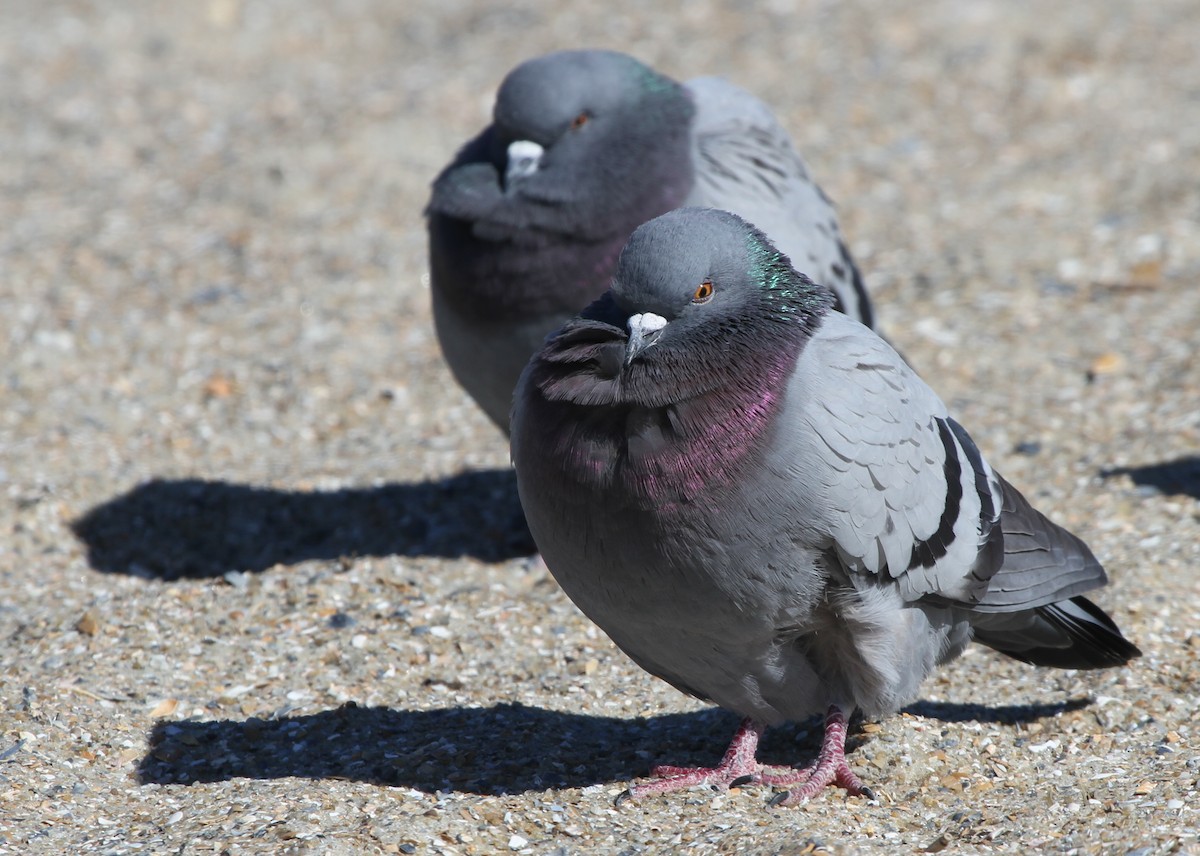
(745, 163)
(907, 495)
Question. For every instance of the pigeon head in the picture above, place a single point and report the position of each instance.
(701, 301)
(705, 279)
(669, 382)
(589, 116)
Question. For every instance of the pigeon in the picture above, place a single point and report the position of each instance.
(526, 223)
(763, 505)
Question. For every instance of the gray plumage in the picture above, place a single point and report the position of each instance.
(526, 223)
(763, 505)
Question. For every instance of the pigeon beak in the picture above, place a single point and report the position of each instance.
(643, 332)
(524, 158)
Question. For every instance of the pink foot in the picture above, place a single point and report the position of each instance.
(739, 767)
(831, 767)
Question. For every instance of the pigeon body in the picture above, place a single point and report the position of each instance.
(526, 223)
(760, 502)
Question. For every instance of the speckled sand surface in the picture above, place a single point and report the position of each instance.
(263, 585)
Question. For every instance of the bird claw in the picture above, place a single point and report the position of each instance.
(622, 798)
(778, 799)
(741, 780)
(791, 797)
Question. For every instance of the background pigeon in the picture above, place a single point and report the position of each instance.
(763, 505)
(525, 225)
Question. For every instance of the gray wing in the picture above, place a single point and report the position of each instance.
(907, 497)
(904, 492)
(1043, 562)
(746, 163)
(1033, 610)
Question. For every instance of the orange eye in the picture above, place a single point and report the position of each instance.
(704, 292)
(580, 120)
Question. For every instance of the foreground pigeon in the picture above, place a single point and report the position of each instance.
(525, 225)
(763, 505)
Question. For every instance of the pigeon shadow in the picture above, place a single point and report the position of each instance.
(504, 749)
(1181, 476)
(172, 529)
(1005, 714)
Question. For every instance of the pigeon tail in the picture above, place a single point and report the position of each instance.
(1069, 634)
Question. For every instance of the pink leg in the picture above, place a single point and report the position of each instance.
(739, 766)
(831, 767)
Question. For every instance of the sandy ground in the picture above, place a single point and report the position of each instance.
(263, 582)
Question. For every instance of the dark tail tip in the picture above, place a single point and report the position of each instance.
(1091, 639)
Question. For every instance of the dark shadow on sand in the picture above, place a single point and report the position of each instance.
(504, 749)
(170, 529)
(1007, 714)
(1180, 476)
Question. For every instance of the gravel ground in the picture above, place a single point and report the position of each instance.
(263, 582)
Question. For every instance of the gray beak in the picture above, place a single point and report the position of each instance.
(524, 157)
(643, 333)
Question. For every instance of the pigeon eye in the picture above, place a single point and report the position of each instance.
(704, 292)
(579, 121)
